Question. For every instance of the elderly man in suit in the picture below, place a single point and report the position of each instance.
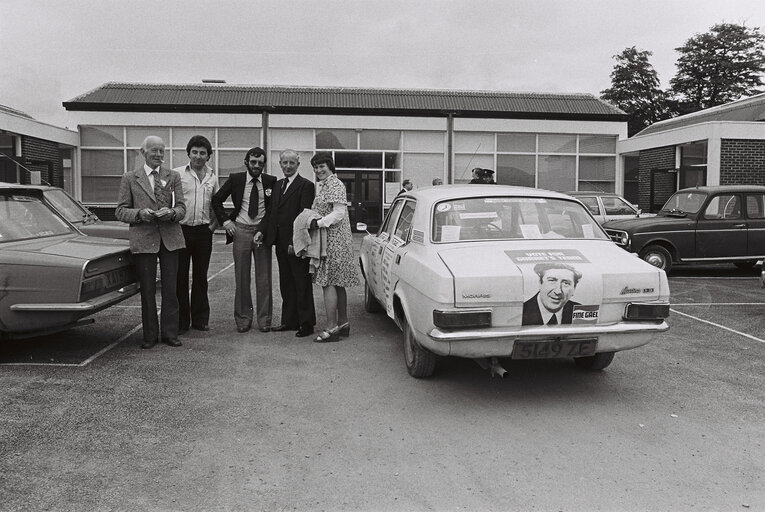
(292, 194)
(151, 201)
(552, 305)
(246, 227)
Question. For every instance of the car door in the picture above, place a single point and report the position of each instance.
(755, 220)
(721, 231)
(375, 272)
(592, 204)
(394, 250)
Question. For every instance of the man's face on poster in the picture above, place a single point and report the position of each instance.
(557, 286)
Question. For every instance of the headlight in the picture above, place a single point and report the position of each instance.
(646, 311)
(461, 319)
(619, 237)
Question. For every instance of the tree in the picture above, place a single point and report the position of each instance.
(717, 67)
(635, 89)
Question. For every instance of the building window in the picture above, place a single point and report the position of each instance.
(560, 162)
(108, 151)
(693, 164)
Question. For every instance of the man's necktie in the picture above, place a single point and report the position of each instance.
(284, 186)
(252, 211)
(553, 320)
(159, 193)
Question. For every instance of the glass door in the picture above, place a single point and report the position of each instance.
(364, 196)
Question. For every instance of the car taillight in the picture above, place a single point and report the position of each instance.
(646, 311)
(461, 319)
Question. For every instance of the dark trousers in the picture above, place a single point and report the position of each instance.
(199, 242)
(296, 289)
(146, 268)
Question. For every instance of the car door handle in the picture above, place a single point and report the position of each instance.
(739, 225)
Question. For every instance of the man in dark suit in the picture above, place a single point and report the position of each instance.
(151, 201)
(292, 194)
(552, 305)
(246, 227)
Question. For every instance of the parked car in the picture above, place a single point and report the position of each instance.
(75, 212)
(605, 206)
(479, 271)
(701, 224)
(52, 275)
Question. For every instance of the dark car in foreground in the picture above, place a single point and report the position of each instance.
(711, 224)
(51, 275)
(74, 211)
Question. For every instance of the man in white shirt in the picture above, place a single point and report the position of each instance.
(199, 183)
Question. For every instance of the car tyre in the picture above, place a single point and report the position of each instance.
(596, 362)
(371, 305)
(420, 362)
(745, 265)
(657, 256)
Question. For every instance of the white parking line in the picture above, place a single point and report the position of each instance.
(113, 344)
(719, 326)
(707, 304)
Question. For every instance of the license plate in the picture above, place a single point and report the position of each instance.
(554, 348)
(117, 277)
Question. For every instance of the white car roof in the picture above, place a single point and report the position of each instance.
(445, 192)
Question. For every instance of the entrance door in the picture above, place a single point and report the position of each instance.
(364, 192)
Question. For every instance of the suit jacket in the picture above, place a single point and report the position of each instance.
(136, 194)
(234, 187)
(299, 196)
(532, 315)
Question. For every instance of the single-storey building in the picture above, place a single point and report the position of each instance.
(722, 145)
(378, 137)
(34, 152)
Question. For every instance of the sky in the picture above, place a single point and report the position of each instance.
(55, 50)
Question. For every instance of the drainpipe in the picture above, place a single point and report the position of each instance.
(449, 148)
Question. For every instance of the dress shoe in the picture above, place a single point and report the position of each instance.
(283, 327)
(149, 344)
(203, 327)
(264, 329)
(327, 336)
(343, 330)
(305, 330)
(243, 329)
(173, 342)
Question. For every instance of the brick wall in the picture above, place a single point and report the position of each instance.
(742, 162)
(44, 156)
(664, 183)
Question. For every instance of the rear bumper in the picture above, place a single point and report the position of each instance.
(86, 307)
(498, 342)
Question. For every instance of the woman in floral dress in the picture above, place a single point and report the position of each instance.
(338, 270)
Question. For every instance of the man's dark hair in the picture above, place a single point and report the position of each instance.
(257, 153)
(541, 268)
(323, 157)
(199, 141)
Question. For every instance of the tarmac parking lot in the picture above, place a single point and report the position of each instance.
(258, 421)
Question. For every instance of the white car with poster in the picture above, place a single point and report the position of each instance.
(490, 271)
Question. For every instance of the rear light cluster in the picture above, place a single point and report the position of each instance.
(646, 311)
(461, 319)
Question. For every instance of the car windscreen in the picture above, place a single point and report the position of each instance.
(65, 205)
(493, 218)
(26, 217)
(684, 202)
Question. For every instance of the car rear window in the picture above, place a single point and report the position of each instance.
(25, 217)
(492, 218)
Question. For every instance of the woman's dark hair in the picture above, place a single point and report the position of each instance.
(199, 141)
(323, 158)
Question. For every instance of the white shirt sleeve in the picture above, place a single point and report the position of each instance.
(335, 216)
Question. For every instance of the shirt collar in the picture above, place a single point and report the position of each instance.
(546, 315)
(208, 169)
(149, 170)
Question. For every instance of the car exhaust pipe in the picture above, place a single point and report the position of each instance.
(492, 365)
